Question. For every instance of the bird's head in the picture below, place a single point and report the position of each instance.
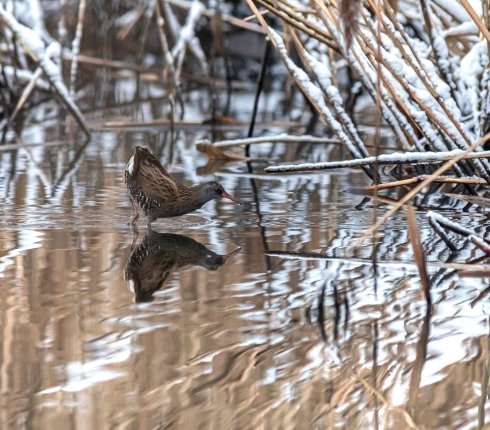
(213, 190)
(213, 261)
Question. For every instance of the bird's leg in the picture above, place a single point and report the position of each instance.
(136, 214)
(135, 238)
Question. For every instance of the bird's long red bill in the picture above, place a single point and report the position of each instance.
(225, 195)
(231, 254)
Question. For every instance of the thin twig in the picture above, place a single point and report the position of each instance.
(25, 94)
(258, 92)
(75, 49)
(279, 138)
(418, 251)
(419, 187)
(420, 178)
(384, 159)
(477, 20)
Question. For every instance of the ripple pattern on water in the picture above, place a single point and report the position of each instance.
(300, 329)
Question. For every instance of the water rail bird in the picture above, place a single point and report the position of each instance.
(159, 195)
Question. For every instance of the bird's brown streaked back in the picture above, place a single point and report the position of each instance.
(155, 181)
(158, 194)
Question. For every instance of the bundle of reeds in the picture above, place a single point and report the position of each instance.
(32, 61)
(28, 61)
(424, 64)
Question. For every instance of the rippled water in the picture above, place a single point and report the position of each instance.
(102, 328)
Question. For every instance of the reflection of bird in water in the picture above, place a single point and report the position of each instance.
(158, 194)
(160, 254)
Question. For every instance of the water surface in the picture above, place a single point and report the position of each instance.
(300, 329)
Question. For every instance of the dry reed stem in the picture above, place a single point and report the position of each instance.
(76, 46)
(486, 20)
(252, 17)
(215, 153)
(232, 20)
(281, 138)
(382, 160)
(169, 64)
(440, 222)
(443, 67)
(441, 4)
(396, 107)
(189, 42)
(414, 96)
(113, 64)
(340, 114)
(418, 252)
(349, 11)
(477, 20)
(420, 359)
(298, 22)
(420, 178)
(425, 79)
(146, 17)
(165, 122)
(391, 16)
(25, 94)
(391, 113)
(406, 416)
(169, 69)
(475, 200)
(480, 243)
(442, 234)
(123, 32)
(37, 50)
(420, 125)
(325, 114)
(419, 187)
(474, 273)
(483, 169)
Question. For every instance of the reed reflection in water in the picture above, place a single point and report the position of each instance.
(231, 347)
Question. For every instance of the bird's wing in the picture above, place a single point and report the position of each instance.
(154, 180)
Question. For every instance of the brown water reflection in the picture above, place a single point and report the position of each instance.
(238, 347)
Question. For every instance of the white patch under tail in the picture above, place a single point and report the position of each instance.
(130, 165)
(131, 285)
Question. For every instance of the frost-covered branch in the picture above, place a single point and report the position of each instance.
(37, 50)
(309, 89)
(476, 19)
(439, 221)
(421, 178)
(75, 48)
(25, 94)
(278, 138)
(187, 39)
(394, 158)
(423, 90)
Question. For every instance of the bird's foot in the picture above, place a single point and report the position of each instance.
(136, 214)
(134, 220)
(135, 237)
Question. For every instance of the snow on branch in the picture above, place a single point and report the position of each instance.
(187, 39)
(37, 50)
(394, 158)
(438, 222)
(278, 138)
